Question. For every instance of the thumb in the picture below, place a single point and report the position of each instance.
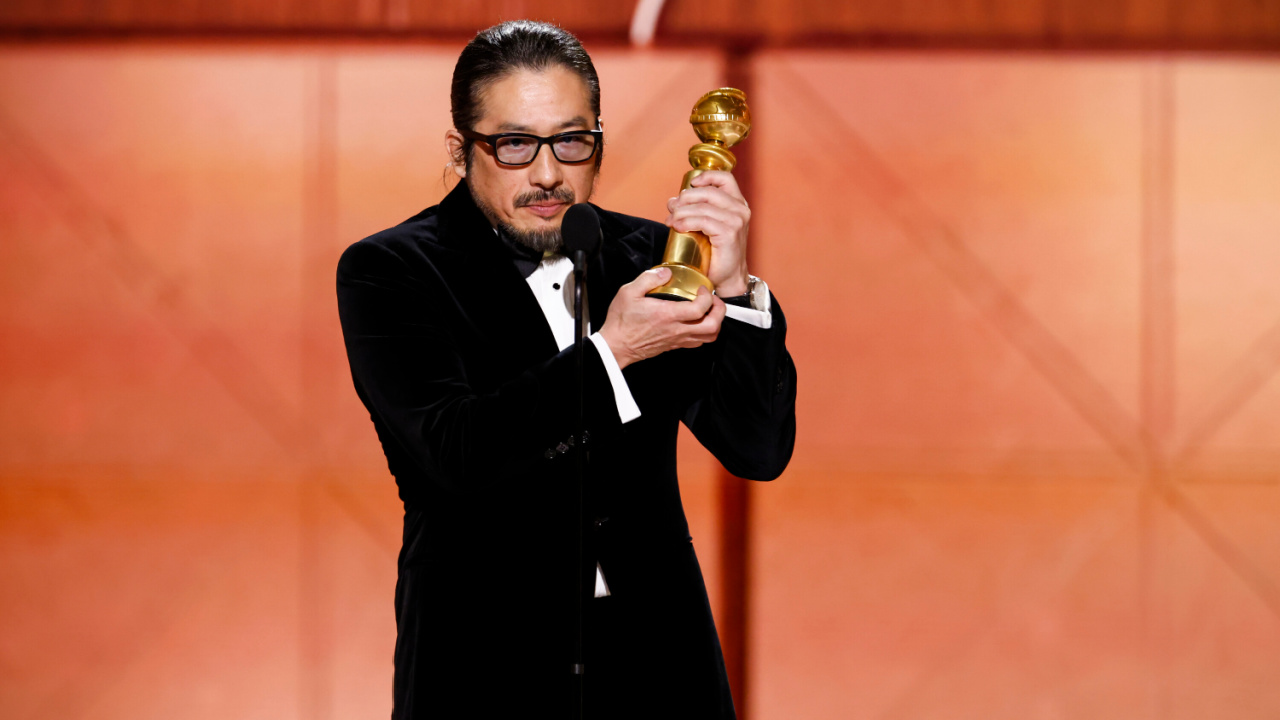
(650, 279)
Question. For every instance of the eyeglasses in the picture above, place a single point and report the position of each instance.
(515, 149)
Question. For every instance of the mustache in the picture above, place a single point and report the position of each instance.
(543, 197)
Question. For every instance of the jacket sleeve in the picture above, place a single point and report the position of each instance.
(412, 377)
(747, 416)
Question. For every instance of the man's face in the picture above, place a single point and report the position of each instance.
(529, 202)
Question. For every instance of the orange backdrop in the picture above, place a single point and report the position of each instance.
(1031, 301)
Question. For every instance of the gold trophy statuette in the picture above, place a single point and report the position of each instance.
(721, 119)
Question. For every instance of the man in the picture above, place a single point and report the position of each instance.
(461, 348)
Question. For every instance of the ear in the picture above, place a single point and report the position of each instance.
(453, 143)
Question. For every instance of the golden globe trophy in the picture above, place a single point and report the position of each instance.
(721, 119)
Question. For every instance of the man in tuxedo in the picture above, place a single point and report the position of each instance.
(460, 342)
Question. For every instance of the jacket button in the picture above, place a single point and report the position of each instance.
(562, 448)
(600, 521)
(550, 454)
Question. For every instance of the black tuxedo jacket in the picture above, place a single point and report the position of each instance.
(473, 405)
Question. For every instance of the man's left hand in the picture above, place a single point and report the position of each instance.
(714, 206)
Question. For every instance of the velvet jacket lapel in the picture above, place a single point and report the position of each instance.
(488, 288)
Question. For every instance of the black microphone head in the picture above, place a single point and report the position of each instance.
(580, 229)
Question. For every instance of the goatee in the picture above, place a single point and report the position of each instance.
(546, 239)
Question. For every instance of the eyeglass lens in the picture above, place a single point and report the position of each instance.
(568, 148)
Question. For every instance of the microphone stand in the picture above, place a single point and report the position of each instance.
(580, 230)
(580, 341)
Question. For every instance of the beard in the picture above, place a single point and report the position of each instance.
(543, 239)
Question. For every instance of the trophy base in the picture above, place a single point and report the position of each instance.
(683, 284)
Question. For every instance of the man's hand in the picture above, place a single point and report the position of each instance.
(714, 206)
(639, 327)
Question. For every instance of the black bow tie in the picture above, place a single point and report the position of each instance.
(526, 258)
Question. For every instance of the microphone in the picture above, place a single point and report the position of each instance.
(580, 231)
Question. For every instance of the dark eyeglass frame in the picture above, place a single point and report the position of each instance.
(491, 141)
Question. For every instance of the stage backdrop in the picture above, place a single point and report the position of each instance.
(1031, 299)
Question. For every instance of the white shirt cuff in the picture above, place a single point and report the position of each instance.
(627, 408)
(759, 313)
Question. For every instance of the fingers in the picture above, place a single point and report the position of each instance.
(714, 186)
(714, 207)
(698, 307)
(682, 312)
(712, 221)
(707, 328)
(694, 312)
(648, 280)
(721, 179)
(710, 196)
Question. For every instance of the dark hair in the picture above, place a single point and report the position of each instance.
(504, 48)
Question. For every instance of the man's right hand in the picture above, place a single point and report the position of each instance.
(639, 327)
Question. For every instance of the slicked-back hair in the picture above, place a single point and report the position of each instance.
(505, 48)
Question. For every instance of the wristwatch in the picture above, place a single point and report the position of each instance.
(747, 299)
